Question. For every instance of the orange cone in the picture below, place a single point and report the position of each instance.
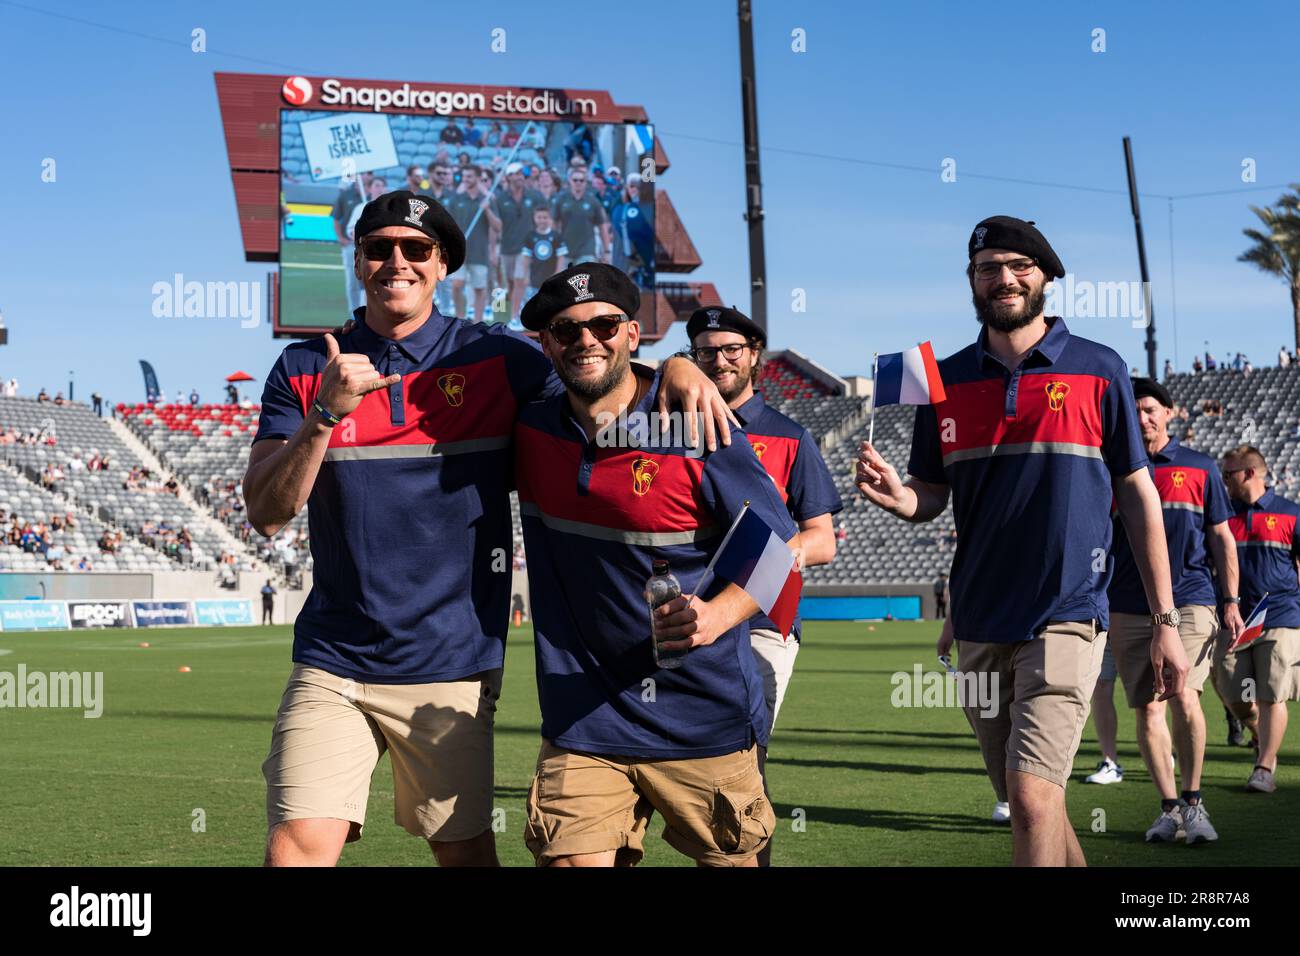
(518, 618)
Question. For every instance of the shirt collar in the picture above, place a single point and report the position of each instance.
(1048, 349)
(1168, 452)
(751, 409)
(415, 346)
(631, 430)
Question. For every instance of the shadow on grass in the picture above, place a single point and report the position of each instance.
(900, 820)
(914, 769)
(945, 735)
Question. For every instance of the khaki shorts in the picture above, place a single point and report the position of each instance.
(1270, 661)
(774, 658)
(1130, 641)
(1040, 691)
(714, 808)
(474, 275)
(331, 731)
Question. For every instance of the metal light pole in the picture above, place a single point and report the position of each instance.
(1148, 310)
(753, 177)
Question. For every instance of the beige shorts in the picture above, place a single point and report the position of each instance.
(1040, 691)
(1130, 643)
(510, 264)
(714, 808)
(775, 660)
(331, 731)
(1270, 661)
(473, 275)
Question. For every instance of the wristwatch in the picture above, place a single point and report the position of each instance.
(1235, 599)
(1171, 618)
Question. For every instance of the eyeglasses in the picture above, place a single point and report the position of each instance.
(380, 248)
(1018, 267)
(603, 327)
(710, 354)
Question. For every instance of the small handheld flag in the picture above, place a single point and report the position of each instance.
(754, 557)
(1254, 627)
(905, 378)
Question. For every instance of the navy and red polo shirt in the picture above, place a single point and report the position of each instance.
(1267, 551)
(596, 514)
(790, 455)
(1030, 455)
(1193, 498)
(410, 514)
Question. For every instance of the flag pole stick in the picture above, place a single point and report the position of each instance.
(871, 428)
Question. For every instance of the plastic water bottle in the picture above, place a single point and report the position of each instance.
(661, 588)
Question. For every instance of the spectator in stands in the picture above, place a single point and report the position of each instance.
(54, 554)
(268, 601)
(1197, 367)
(510, 136)
(84, 564)
(173, 487)
(94, 463)
(451, 133)
(51, 477)
(107, 542)
(59, 399)
(941, 596)
(194, 396)
(1211, 364)
(841, 532)
(232, 394)
(1169, 369)
(1247, 368)
(11, 388)
(43, 396)
(7, 437)
(1283, 357)
(97, 401)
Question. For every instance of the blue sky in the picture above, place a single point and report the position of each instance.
(143, 188)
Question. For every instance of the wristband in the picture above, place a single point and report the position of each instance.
(330, 418)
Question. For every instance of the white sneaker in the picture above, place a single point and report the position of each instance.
(1196, 823)
(1261, 780)
(1166, 827)
(1107, 772)
(1002, 812)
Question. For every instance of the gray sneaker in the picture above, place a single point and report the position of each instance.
(1261, 780)
(1196, 824)
(1166, 827)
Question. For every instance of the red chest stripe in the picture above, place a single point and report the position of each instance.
(629, 490)
(461, 408)
(1054, 414)
(1181, 487)
(777, 453)
(1266, 528)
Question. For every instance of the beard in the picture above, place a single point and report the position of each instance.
(739, 382)
(1004, 318)
(594, 389)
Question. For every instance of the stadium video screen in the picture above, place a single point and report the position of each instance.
(561, 193)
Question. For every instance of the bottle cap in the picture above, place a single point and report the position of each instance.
(659, 566)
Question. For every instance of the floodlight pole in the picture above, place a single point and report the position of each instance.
(1148, 311)
(753, 176)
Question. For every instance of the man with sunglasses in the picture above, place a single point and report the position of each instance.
(396, 436)
(578, 214)
(728, 347)
(602, 498)
(1037, 427)
(1198, 540)
(1263, 525)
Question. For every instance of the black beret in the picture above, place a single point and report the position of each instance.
(714, 319)
(404, 208)
(1149, 387)
(585, 282)
(1016, 235)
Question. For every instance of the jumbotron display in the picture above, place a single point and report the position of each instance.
(532, 196)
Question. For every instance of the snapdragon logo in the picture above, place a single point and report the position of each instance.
(179, 299)
(73, 690)
(920, 688)
(74, 908)
(653, 430)
(1072, 298)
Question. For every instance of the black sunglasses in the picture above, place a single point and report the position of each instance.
(603, 327)
(380, 248)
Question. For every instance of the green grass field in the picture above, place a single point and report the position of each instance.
(313, 292)
(877, 785)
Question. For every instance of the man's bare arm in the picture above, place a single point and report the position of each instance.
(912, 500)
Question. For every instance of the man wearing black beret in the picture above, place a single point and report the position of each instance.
(728, 347)
(1037, 431)
(605, 500)
(396, 436)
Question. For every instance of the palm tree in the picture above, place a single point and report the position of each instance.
(1277, 246)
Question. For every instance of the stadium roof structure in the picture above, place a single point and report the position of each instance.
(250, 105)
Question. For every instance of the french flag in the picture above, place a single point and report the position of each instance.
(908, 378)
(754, 557)
(1254, 627)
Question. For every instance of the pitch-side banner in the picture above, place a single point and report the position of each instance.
(99, 613)
(33, 615)
(224, 612)
(162, 613)
(348, 144)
